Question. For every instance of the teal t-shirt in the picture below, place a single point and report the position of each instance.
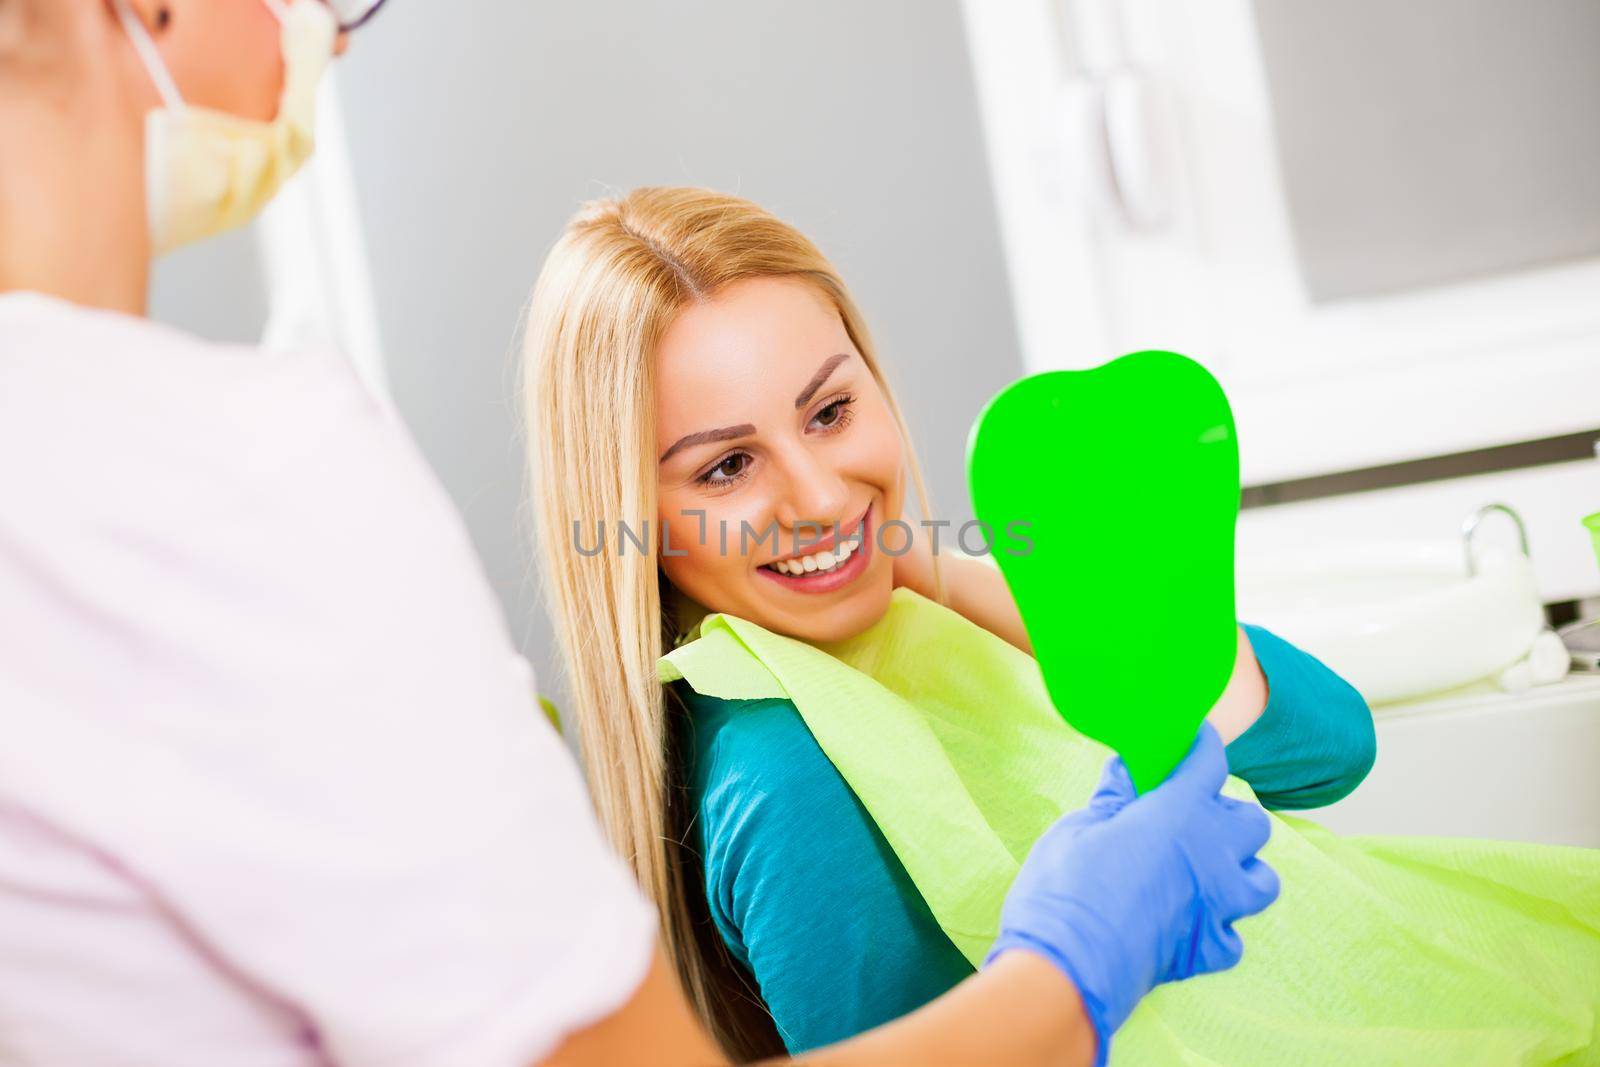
(813, 902)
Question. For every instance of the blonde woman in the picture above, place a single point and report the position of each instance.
(693, 361)
(664, 327)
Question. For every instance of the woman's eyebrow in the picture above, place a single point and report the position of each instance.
(818, 378)
(726, 433)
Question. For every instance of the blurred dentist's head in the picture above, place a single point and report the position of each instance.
(199, 108)
(213, 162)
(223, 55)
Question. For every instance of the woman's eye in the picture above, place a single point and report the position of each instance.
(835, 415)
(727, 470)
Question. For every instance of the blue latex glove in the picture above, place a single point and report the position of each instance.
(1135, 891)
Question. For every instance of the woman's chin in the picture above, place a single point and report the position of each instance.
(838, 621)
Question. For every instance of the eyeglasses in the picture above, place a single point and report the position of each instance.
(353, 14)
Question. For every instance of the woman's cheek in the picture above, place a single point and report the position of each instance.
(881, 457)
(679, 531)
(702, 549)
(679, 534)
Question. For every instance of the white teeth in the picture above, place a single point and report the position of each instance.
(826, 560)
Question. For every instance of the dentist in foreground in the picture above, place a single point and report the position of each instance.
(273, 786)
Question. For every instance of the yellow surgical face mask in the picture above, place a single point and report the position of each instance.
(207, 171)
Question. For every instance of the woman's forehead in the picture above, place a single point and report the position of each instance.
(758, 336)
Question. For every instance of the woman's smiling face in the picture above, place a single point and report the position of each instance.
(775, 444)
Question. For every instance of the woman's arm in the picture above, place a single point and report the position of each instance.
(1245, 696)
(1314, 742)
(1296, 731)
(978, 591)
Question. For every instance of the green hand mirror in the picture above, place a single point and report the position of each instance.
(1127, 478)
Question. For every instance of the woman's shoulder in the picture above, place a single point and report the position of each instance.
(755, 749)
(764, 793)
(762, 790)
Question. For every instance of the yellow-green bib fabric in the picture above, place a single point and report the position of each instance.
(1380, 951)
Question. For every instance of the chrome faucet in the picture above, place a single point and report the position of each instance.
(1470, 528)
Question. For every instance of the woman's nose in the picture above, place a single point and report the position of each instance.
(817, 492)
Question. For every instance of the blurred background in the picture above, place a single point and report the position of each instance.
(1378, 224)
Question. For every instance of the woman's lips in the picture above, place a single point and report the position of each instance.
(841, 532)
(838, 577)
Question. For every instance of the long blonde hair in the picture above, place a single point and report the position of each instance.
(609, 289)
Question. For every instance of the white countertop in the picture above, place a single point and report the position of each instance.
(1479, 762)
(1486, 696)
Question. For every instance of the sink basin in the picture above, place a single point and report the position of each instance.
(1397, 619)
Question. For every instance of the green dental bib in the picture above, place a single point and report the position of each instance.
(1380, 951)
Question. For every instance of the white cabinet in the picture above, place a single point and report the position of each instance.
(1495, 765)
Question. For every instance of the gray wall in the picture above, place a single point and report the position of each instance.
(1432, 140)
(215, 289)
(477, 126)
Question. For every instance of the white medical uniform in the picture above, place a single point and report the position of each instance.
(273, 786)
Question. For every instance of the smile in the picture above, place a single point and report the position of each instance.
(837, 561)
